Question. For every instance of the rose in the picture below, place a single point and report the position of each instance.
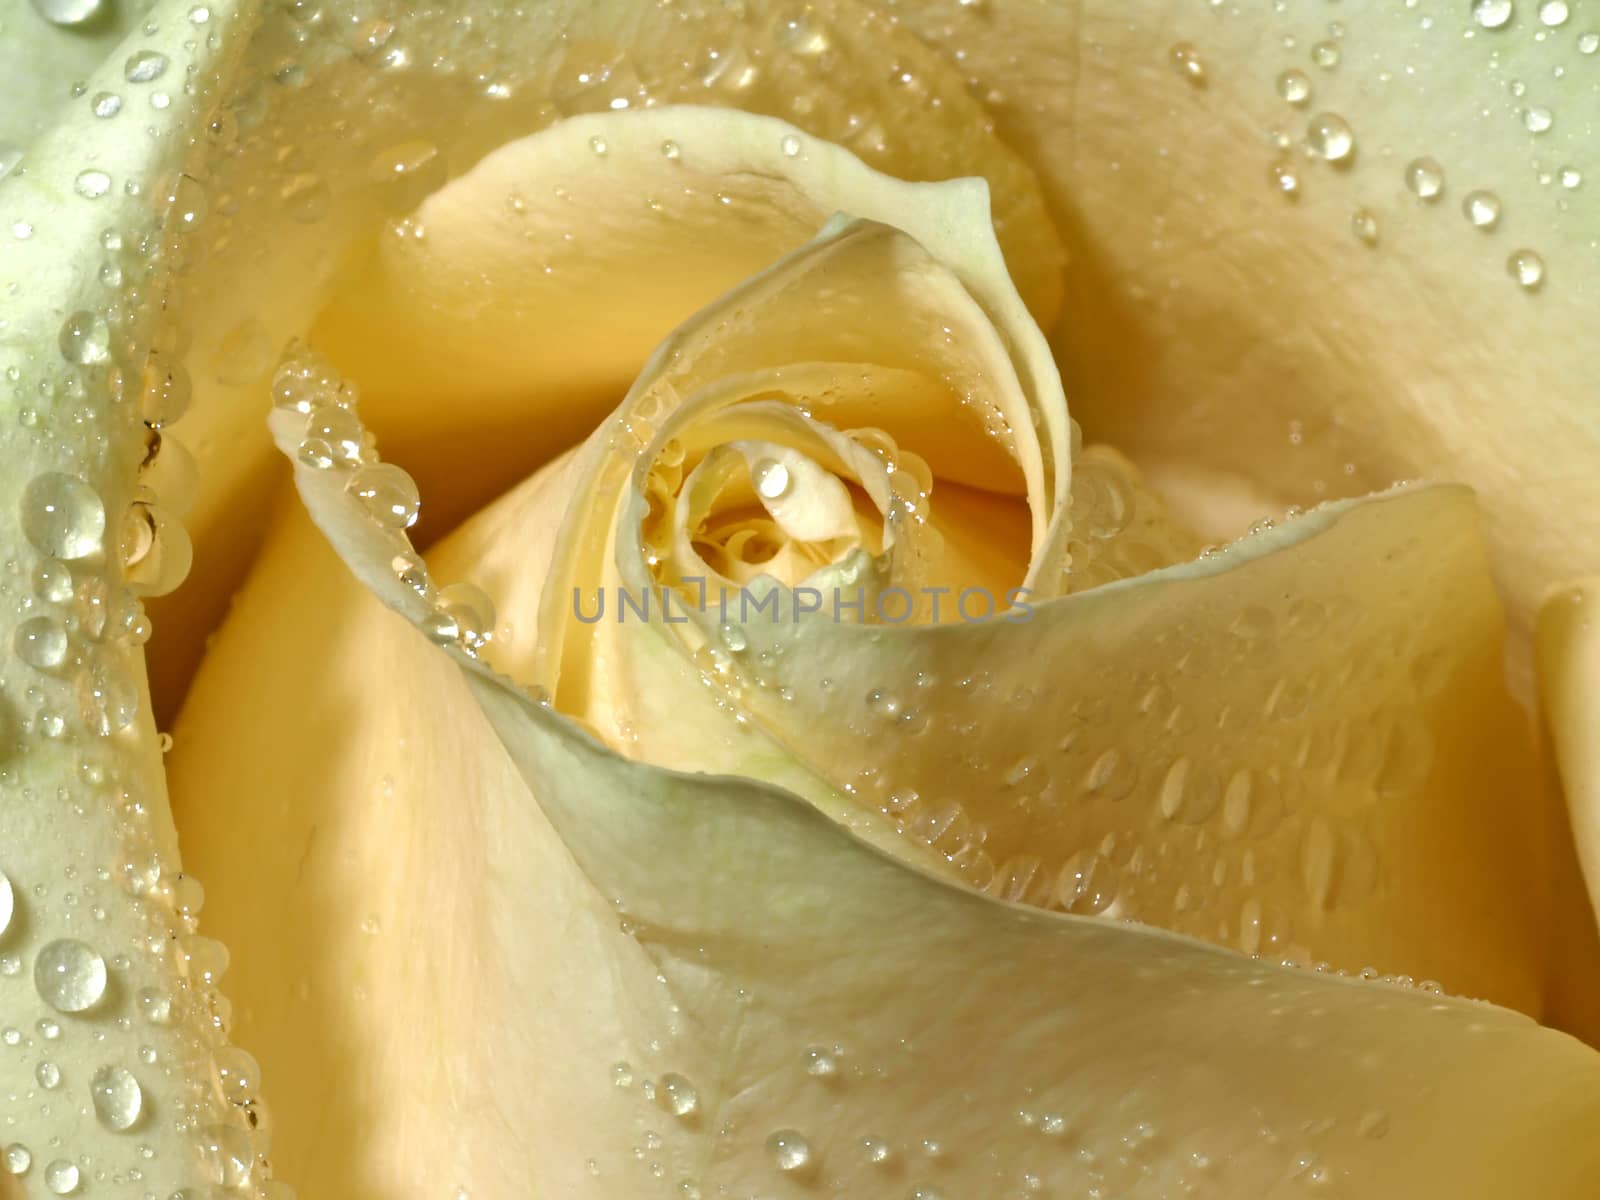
(790, 853)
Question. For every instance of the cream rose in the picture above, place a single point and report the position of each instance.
(826, 766)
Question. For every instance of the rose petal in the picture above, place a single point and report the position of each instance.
(787, 992)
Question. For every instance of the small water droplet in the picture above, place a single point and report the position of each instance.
(1492, 14)
(1364, 225)
(1587, 44)
(228, 1156)
(106, 104)
(118, 1098)
(92, 184)
(1537, 120)
(48, 1075)
(789, 1150)
(62, 516)
(69, 976)
(1527, 268)
(1284, 178)
(1326, 55)
(85, 338)
(143, 66)
(1294, 85)
(388, 494)
(876, 1149)
(597, 145)
(1425, 179)
(1186, 61)
(69, 12)
(1571, 178)
(790, 145)
(1482, 209)
(820, 1062)
(1331, 137)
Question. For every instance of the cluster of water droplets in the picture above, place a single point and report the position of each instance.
(334, 440)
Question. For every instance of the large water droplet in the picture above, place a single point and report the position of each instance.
(61, 1177)
(227, 1155)
(771, 479)
(69, 975)
(1527, 268)
(8, 903)
(1087, 883)
(1331, 137)
(789, 1150)
(69, 12)
(1554, 13)
(41, 642)
(117, 1097)
(85, 338)
(18, 1158)
(677, 1095)
(92, 184)
(388, 494)
(1482, 209)
(143, 66)
(1425, 179)
(1492, 14)
(62, 515)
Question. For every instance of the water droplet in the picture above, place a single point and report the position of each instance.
(388, 494)
(68, 12)
(1482, 209)
(62, 515)
(1186, 60)
(1571, 178)
(1425, 179)
(1331, 137)
(164, 396)
(1112, 774)
(41, 642)
(92, 184)
(789, 1150)
(8, 903)
(117, 1097)
(18, 1158)
(1373, 1124)
(677, 1095)
(771, 479)
(820, 1062)
(48, 1075)
(69, 976)
(622, 1074)
(185, 202)
(1284, 178)
(1587, 44)
(106, 104)
(790, 145)
(671, 151)
(1364, 225)
(85, 338)
(1527, 268)
(228, 1156)
(1492, 14)
(1554, 13)
(1537, 120)
(1326, 55)
(876, 1149)
(144, 65)
(1294, 85)
(597, 145)
(61, 1177)
(472, 610)
(1087, 883)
